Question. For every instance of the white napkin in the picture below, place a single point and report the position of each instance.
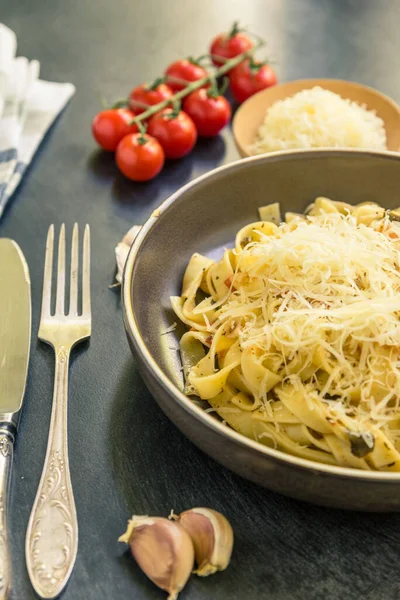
(8, 46)
(28, 106)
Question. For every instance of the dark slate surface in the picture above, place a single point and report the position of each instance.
(125, 456)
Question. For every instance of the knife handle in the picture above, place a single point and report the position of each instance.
(6, 457)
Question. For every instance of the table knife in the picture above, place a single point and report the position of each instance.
(15, 337)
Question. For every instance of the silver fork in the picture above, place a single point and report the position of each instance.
(52, 535)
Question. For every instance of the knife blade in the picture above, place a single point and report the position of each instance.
(15, 337)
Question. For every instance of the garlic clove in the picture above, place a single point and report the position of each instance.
(163, 550)
(212, 537)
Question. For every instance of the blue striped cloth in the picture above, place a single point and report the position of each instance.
(28, 106)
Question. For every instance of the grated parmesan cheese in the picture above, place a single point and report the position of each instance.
(170, 329)
(318, 118)
(302, 336)
(328, 290)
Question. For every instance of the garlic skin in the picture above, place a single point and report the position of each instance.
(212, 537)
(163, 550)
(122, 250)
(121, 254)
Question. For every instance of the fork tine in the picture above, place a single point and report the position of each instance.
(73, 298)
(47, 275)
(86, 274)
(60, 299)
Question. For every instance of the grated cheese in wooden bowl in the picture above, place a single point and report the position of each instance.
(318, 118)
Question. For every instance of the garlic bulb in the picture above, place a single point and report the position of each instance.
(212, 537)
(122, 250)
(163, 550)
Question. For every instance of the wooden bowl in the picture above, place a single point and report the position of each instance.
(251, 114)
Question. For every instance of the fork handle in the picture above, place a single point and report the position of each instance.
(6, 456)
(52, 535)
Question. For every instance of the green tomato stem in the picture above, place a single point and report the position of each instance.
(213, 90)
(195, 85)
(172, 79)
(154, 85)
(234, 30)
(200, 59)
(224, 86)
(123, 103)
(142, 130)
(222, 59)
(134, 103)
(176, 108)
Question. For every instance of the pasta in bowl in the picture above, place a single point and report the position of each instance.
(203, 218)
(294, 333)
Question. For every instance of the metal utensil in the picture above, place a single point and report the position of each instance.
(52, 535)
(15, 338)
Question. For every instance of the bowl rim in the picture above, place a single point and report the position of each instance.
(320, 81)
(178, 396)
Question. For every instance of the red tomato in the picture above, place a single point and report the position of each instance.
(148, 95)
(110, 126)
(187, 70)
(139, 157)
(228, 45)
(251, 77)
(209, 112)
(176, 132)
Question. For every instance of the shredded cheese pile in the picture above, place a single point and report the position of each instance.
(317, 118)
(296, 342)
(328, 292)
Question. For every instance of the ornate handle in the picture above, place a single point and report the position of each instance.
(52, 535)
(6, 456)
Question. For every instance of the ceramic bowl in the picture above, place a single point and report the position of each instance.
(204, 216)
(250, 115)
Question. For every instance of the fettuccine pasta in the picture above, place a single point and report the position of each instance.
(294, 335)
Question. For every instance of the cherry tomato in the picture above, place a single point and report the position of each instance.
(175, 131)
(251, 77)
(228, 45)
(149, 95)
(139, 157)
(187, 70)
(209, 111)
(110, 126)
